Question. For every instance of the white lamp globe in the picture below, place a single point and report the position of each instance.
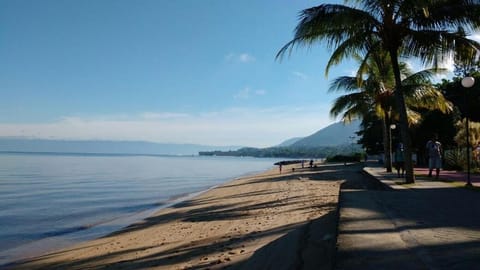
(468, 82)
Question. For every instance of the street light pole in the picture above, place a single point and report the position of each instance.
(390, 128)
(467, 82)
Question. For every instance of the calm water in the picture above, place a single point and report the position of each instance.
(51, 201)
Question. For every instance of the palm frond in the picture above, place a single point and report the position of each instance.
(354, 103)
(449, 14)
(327, 22)
(344, 83)
(423, 77)
(413, 117)
(428, 97)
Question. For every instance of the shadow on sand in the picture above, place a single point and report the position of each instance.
(206, 209)
(311, 244)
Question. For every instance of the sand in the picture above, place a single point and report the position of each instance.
(269, 220)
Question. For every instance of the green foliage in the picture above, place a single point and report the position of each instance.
(356, 157)
(473, 133)
(288, 152)
(466, 100)
(433, 123)
(455, 159)
(371, 134)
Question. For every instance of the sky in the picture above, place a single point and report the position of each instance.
(185, 71)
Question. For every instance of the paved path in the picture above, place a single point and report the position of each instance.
(452, 176)
(428, 225)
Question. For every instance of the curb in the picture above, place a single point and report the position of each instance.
(388, 183)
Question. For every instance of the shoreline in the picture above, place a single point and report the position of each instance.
(37, 248)
(26, 238)
(222, 226)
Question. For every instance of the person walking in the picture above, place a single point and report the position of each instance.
(434, 151)
(399, 160)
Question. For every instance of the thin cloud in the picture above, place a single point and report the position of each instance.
(352, 72)
(257, 127)
(240, 58)
(300, 75)
(242, 94)
(162, 115)
(260, 92)
(247, 93)
(246, 58)
(229, 57)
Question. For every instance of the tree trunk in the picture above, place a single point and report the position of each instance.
(402, 110)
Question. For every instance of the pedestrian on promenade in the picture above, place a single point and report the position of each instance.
(434, 151)
(399, 160)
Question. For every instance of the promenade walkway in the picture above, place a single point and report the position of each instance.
(426, 225)
(450, 176)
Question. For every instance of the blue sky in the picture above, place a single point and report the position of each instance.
(186, 71)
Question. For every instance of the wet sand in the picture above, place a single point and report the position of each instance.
(269, 220)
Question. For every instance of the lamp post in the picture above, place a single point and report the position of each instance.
(390, 128)
(467, 82)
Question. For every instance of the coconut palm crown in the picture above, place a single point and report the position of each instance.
(430, 30)
(372, 92)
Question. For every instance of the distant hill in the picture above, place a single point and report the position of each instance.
(330, 141)
(289, 142)
(104, 147)
(332, 135)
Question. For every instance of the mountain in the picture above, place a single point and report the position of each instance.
(332, 135)
(335, 139)
(289, 142)
(104, 147)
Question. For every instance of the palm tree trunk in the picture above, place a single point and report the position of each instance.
(387, 149)
(402, 109)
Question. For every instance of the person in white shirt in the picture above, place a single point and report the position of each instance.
(434, 151)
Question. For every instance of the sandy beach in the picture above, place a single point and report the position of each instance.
(269, 220)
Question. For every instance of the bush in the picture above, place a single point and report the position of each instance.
(357, 157)
(455, 159)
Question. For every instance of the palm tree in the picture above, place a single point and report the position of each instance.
(425, 29)
(367, 97)
(372, 92)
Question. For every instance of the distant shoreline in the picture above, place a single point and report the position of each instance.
(104, 146)
(90, 154)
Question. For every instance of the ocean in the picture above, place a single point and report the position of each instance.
(51, 201)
